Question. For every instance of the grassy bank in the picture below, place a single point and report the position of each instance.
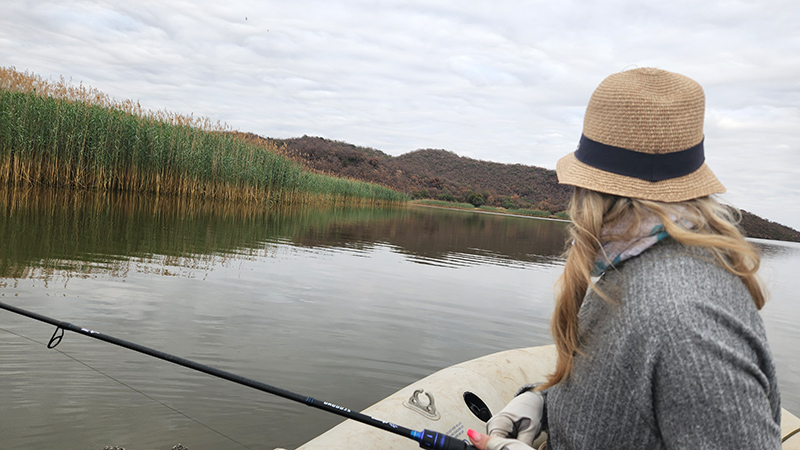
(59, 134)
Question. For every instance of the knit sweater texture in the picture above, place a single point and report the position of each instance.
(678, 361)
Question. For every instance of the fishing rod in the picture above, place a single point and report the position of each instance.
(426, 438)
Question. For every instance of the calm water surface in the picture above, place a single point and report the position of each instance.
(343, 305)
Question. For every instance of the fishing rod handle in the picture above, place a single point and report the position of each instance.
(433, 440)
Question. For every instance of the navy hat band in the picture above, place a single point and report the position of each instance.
(644, 166)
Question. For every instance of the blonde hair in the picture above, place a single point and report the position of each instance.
(714, 228)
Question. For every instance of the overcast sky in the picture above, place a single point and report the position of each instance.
(497, 80)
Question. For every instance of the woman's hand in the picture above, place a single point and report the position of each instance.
(479, 440)
(485, 442)
(515, 426)
(521, 418)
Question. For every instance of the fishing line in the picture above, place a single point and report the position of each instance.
(426, 438)
(51, 346)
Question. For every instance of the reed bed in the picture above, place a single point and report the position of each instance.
(66, 135)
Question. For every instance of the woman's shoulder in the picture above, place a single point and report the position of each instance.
(669, 259)
(673, 285)
(676, 269)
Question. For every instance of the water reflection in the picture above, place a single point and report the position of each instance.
(77, 234)
(777, 250)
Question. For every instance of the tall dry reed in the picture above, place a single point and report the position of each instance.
(66, 135)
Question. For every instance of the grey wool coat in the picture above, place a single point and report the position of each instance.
(680, 361)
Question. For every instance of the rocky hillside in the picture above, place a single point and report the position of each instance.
(757, 227)
(432, 174)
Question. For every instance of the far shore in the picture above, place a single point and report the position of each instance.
(483, 211)
(553, 218)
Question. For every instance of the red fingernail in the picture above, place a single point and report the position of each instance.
(472, 434)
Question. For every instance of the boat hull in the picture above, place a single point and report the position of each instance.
(464, 396)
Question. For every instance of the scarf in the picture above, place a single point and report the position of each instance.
(649, 232)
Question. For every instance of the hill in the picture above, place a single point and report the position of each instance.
(443, 175)
(431, 174)
(757, 227)
(506, 185)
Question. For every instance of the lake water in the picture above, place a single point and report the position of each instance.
(346, 306)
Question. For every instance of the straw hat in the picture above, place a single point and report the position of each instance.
(643, 138)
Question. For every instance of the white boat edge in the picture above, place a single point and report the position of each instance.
(493, 379)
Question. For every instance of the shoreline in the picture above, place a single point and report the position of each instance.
(555, 219)
(498, 213)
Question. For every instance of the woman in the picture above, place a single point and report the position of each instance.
(667, 350)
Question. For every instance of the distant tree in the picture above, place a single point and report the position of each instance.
(422, 193)
(508, 203)
(476, 199)
(545, 205)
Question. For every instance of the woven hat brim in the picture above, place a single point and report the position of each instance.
(699, 183)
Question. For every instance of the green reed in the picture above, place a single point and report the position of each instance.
(54, 134)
